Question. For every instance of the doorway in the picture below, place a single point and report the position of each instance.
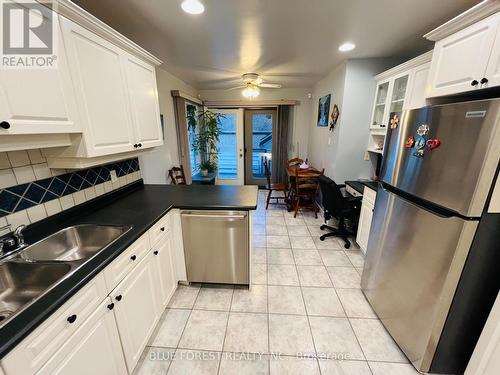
(259, 125)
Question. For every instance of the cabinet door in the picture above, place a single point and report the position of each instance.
(380, 106)
(93, 349)
(493, 68)
(137, 309)
(96, 69)
(165, 269)
(365, 221)
(417, 91)
(462, 58)
(37, 101)
(143, 95)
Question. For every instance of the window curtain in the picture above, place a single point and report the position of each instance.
(182, 136)
(281, 136)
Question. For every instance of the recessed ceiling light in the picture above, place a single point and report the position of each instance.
(192, 6)
(348, 46)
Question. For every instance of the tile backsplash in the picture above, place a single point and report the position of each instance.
(30, 191)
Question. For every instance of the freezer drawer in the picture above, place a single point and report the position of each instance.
(216, 246)
(413, 263)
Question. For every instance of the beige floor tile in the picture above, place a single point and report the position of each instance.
(184, 297)
(314, 276)
(293, 366)
(170, 328)
(315, 230)
(384, 368)
(344, 277)
(276, 230)
(275, 220)
(328, 244)
(298, 230)
(187, 362)
(259, 240)
(294, 221)
(243, 364)
(335, 258)
(302, 242)
(289, 335)
(376, 342)
(286, 300)
(280, 242)
(342, 367)
(279, 256)
(282, 274)
(254, 300)
(359, 269)
(259, 255)
(355, 303)
(322, 302)
(356, 257)
(154, 361)
(214, 298)
(247, 332)
(259, 273)
(334, 337)
(259, 229)
(307, 257)
(274, 213)
(204, 330)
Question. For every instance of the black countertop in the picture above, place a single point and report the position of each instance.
(137, 205)
(359, 185)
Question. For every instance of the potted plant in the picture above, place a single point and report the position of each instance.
(206, 126)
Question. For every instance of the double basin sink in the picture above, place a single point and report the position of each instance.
(33, 271)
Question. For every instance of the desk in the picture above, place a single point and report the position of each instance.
(198, 179)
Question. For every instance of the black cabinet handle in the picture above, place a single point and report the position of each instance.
(119, 297)
(136, 145)
(474, 83)
(72, 318)
(155, 252)
(111, 306)
(139, 145)
(4, 125)
(162, 229)
(484, 80)
(133, 257)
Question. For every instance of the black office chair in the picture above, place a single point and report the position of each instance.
(344, 208)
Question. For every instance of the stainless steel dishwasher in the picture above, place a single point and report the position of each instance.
(216, 246)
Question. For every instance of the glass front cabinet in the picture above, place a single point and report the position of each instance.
(389, 98)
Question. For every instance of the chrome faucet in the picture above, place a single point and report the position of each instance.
(18, 235)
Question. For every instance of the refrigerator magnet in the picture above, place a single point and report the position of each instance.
(420, 143)
(419, 153)
(394, 121)
(433, 143)
(410, 141)
(423, 130)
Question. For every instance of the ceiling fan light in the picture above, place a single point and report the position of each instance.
(251, 92)
(192, 6)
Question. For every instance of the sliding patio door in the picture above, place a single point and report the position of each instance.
(258, 144)
(230, 160)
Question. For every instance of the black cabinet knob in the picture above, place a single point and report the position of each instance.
(155, 252)
(4, 125)
(71, 318)
(474, 83)
(119, 297)
(136, 145)
(162, 229)
(139, 145)
(133, 257)
(484, 80)
(111, 306)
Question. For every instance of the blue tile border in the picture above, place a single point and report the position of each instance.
(23, 196)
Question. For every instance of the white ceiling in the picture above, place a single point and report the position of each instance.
(292, 42)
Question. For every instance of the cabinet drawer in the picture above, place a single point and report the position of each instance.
(40, 345)
(122, 265)
(161, 227)
(353, 192)
(369, 196)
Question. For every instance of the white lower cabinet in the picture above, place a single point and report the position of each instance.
(164, 269)
(365, 218)
(137, 309)
(93, 349)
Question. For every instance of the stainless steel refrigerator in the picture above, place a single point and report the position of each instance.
(432, 260)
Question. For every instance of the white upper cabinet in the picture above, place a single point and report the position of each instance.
(98, 76)
(141, 82)
(418, 86)
(39, 101)
(465, 60)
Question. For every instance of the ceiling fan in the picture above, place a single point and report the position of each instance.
(252, 83)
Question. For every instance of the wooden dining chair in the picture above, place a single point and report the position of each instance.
(177, 175)
(295, 162)
(273, 187)
(306, 189)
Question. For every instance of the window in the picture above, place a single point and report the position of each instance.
(192, 113)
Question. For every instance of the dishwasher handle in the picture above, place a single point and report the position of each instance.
(216, 216)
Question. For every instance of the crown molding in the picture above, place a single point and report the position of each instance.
(478, 12)
(79, 15)
(404, 67)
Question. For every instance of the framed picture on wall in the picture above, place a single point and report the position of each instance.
(324, 110)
